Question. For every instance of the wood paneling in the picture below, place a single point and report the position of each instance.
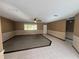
(7, 25)
(57, 26)
(76, 25)
(20, 26)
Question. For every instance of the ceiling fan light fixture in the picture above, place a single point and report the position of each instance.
(35, 20)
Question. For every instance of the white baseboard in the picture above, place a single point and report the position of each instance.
(58, 34)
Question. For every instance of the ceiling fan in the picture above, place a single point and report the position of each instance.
(37, 20)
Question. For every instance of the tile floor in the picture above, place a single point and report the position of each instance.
(58, 50)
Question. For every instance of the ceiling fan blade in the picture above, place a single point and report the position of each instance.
(39, 21)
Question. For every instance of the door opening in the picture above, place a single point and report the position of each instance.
(69, 29)
(44, 29)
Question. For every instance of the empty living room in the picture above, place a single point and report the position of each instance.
(39, 29)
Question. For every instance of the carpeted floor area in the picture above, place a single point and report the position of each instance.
(19, 43)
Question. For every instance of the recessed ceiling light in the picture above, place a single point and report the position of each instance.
(55, 15)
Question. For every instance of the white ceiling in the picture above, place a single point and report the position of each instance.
(45, 10)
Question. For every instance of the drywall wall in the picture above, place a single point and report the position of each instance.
(19, 27)
(7, 27)
(57, 28)
(76, 33)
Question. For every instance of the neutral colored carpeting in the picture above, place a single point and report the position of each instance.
(25, 42)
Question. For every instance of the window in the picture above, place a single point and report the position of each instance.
(30, 26)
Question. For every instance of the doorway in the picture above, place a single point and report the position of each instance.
(44, 29)
(69, 29)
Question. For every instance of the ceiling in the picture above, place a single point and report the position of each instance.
(45, 10)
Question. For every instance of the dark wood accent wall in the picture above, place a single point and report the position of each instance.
(76, 25)
(20, 26)
(57, 26)
(7, 25)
